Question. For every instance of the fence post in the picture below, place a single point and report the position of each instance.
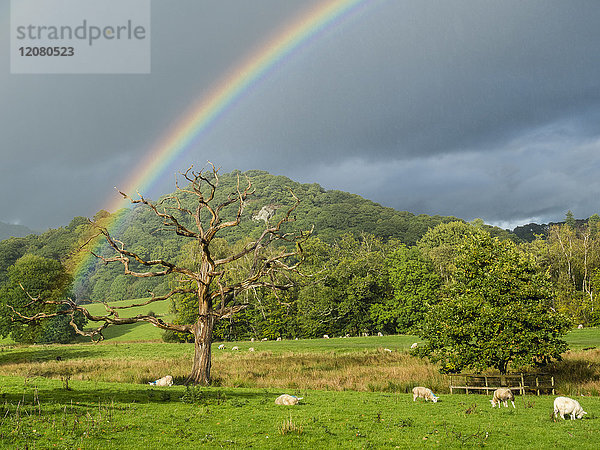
(522, 384)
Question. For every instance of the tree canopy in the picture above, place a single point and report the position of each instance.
(35, 276)
(496, 311)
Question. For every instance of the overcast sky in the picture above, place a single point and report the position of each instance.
(473, 108)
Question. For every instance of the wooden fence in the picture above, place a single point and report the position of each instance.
(524, 383)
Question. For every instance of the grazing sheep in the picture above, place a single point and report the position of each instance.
(265, 339)
(221, 347)
(325, 336)
(164, 381)
(286, 399)
(235, 347)
(415, 345)
(279, 338)
(566, 405)
(425, 393)
(251, 349)
(580, 326)
(387, 350)
(379, 333)
(502, 395)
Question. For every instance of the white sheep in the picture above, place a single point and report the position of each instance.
(278, 339)
(164, 381)
(221, 347)
(566, 405)
(264, 339)
(425, 393)
(379, 333)
(580, 326)
(502, 395)
(414, 345)
(389, 350)
(325, 336)
(287, 399)
(235, 347)
(251, 339)
(251, 349)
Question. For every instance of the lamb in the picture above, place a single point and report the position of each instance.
(566, 405)
(251, 349)
(414, 345)
(379, 334)
(286, 399)
(235, 348)
(164, 381)
(221, 347)
(425, 393)
(325, 336)
(502, 395)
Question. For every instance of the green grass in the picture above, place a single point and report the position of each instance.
(41, 413)
(141, 331)
(584, 338)
(80, 396)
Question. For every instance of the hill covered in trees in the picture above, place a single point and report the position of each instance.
(331, 214)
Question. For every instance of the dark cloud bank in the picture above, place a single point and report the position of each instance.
(468, 108)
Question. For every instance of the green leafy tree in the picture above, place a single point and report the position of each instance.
(440, 245)
(570, 219)
(497, 311)
(572, 257)
(348, 279)
(38, 277)
(415, 286)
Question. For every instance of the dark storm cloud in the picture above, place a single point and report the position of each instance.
(468, 108)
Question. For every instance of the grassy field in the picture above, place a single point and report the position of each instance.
(41, 413)
(136, 331)
(356, 395)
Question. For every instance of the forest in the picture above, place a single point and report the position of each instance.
(366, 269)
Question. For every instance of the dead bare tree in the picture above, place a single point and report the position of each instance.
(210, 279)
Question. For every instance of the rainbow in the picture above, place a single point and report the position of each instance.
(207, 110)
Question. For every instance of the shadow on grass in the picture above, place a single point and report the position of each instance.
(31, 354)
(89, 396)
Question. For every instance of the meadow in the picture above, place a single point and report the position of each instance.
(356, 395)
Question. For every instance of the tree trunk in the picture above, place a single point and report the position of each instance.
(203, 330)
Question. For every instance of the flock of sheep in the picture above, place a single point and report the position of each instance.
(562, 405)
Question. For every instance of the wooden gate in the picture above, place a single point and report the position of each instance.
(523, 383)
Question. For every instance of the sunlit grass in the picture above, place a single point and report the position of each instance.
(41, 413)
